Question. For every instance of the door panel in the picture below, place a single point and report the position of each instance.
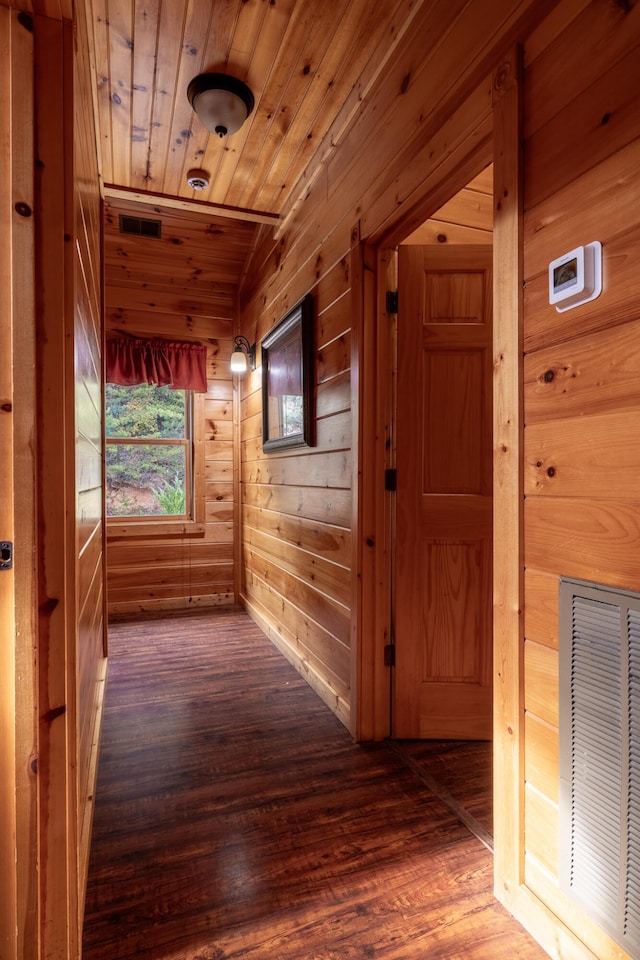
(443, 553)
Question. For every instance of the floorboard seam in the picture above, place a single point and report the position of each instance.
(463, 815)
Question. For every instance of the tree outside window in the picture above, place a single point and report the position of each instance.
(148, 433)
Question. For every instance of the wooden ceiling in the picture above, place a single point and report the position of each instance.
(308, 63)
(466, 218)
(184, 281)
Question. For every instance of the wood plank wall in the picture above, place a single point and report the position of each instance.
(18, 670)
(296, 507)
(86, 467)
(58, 598)
(582, 371)
(182, 286)
(57, 704)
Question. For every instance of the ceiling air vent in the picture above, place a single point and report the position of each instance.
(140, 226)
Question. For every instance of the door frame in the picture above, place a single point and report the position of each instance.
(19, 664)
(493, 134)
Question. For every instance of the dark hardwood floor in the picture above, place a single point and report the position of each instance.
(460, 773)
(236, 818)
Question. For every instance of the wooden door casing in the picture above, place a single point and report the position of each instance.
(443, 554)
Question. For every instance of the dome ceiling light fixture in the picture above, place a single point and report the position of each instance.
(221, 102)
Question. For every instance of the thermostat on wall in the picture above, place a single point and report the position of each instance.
(576, 277)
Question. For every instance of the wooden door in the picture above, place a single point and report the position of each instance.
(443, 550)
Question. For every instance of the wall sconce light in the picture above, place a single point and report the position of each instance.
(222, 103)
(239, 357)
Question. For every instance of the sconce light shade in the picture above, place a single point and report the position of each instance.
(243, 352)
(222, 103)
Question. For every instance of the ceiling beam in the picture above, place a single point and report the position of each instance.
(191, 206)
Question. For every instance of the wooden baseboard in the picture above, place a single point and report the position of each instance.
(546, 927)
(132, 607)
(334, 701)
(86, 820)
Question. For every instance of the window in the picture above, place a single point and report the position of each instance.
(149, 452)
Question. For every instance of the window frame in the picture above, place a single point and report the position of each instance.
(179, 527)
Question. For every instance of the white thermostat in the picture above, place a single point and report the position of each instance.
(576, 277)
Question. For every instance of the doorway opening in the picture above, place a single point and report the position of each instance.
(442, 556)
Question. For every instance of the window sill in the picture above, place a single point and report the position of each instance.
(148, 529)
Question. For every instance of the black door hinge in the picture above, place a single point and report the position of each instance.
(392, 301)
(390, 655)
(391, 479)
(6, 555)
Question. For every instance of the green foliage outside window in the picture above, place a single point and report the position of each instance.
(146, 476)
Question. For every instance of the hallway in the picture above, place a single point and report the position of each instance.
(235, 818)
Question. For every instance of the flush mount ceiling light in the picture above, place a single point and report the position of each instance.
(222, 103)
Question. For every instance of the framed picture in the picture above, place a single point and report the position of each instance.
(287, 380)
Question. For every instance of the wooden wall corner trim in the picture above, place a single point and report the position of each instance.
(18, 798)
(58, 708)
(370, 605)
(508, 501)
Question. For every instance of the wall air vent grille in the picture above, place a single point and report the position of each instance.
(600, 755)
(140, 226)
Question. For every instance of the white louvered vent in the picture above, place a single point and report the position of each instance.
(600, 755)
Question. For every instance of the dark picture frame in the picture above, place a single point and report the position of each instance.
(287, 380)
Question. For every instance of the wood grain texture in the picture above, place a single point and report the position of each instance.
(60, 700)
(580, 391)
(8, 769)
(460, 772)
(235, 816)
(466, 218)
(296, 517)
(556, 220)
(617, 308)
(593, 539)
(541, 756)
(586, 456)
(541, 681)
(541, 881)
(300, 64)
(88, 419)
(181, 286)
(585, 117)
(541, 607)
(508, 590)
(593, 373)
(443, 555)
(18, 605)
(541, 830)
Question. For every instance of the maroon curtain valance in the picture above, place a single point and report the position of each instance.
(164, 363)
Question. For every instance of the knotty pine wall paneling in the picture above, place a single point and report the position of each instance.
(296, 509)
(580, 519)
(58, 600)
(8, 731)
(18, 586)
(181, 286)
(581, 373)
(419, 124)
(85, 469)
